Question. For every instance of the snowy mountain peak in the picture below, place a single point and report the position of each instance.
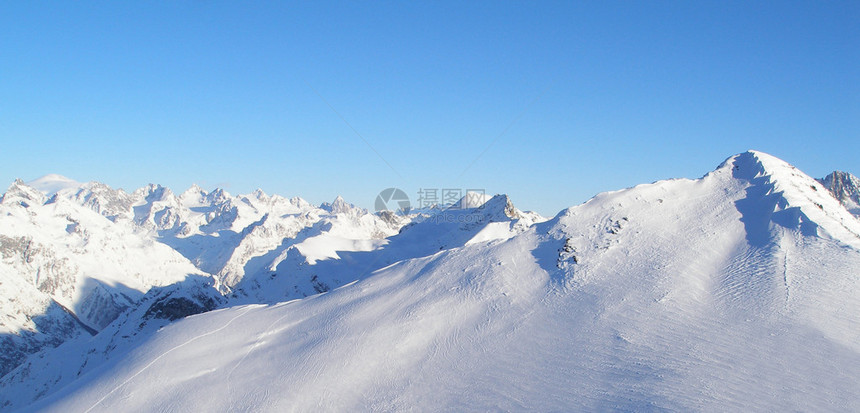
(22, 194)
(297, 202)
(338, 206)
(155, 192)
(260, 194)
(217, 196)
(472, 199)
(52, 183)
(792, 198)
(193, 195)
(752, 164)
(500, 207)
(845, 187)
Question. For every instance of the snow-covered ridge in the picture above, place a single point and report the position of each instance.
(798, 200)
(76, 255)
(679, 295)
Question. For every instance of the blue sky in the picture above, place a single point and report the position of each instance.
(549, 102)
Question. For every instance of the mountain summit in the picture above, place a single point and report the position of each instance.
(846, 188)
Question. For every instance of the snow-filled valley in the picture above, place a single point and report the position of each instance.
(738, 291)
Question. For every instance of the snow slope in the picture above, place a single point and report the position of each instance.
(67, 270)
(76, 255)
(738, 291)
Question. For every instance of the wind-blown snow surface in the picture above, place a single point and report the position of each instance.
(737, 291)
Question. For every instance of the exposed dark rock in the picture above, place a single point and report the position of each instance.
(174, 308)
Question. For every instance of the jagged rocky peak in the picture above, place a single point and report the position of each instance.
(845, 187)
(260, 194)
(500, 206)
(299, 202)
(101, 198)
(338, 206)
(217, 196)
(22, 194)
(495, 207)
(154, 193)
(195, 194)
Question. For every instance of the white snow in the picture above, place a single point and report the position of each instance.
(472, 199)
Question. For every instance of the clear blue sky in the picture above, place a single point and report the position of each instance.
(548, 102)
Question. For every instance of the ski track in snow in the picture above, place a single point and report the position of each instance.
(266, 332)
(189, 341)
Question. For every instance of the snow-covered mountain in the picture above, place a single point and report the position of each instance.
(846, 188)
(76, 255)
(735, 291)
(67, 270)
